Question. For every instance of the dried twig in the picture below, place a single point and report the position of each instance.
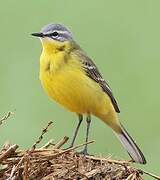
(93, 173)
(12, 173)
(48, 144)
(8, 152)
(55, 163)
(61, 142)
(26, 167)
(124, 163)
(150, 174)
(41, 136)
(67, 150)
(15, 168)
(5, 117)
(73, 148)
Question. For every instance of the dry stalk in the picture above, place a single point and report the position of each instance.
(15, 168)
(26, 167)
(61, 142)
(51, 162)
(150, 174)
(5, 117)
(8, 152)
(48, 144)
(59, 164)
(44, 131)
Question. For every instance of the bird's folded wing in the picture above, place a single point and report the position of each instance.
(93, 72)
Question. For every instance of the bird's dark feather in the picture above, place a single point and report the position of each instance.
(93, 72)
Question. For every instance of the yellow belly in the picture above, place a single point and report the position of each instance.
(75, 91)
(64, 80)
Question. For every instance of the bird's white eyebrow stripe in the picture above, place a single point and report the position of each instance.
(60, 32)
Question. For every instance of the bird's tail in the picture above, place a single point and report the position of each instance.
(131, 147)
(128, 143)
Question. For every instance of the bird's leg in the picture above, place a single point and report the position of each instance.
(76, 131)
(88, 120)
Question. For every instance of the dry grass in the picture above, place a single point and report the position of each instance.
(49, 163)
(52, 162)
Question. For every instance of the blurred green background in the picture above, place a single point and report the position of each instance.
(123, 38)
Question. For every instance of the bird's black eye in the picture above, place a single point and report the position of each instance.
(55, 33)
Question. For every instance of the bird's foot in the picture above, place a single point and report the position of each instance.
(84, 152)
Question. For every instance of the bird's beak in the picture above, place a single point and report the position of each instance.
(38, 34)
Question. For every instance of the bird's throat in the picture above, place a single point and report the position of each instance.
(51, 46)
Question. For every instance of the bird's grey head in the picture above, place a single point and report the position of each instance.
(56, 32)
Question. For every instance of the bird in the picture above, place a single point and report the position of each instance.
(71, 78)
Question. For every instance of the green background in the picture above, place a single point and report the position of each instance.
(123, 38)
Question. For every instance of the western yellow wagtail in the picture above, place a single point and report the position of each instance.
(72, 79)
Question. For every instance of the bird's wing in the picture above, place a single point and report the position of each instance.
(93, 72)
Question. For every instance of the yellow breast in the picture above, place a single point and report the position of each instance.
(65, 81)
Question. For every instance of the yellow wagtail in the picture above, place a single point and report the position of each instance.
(72, 79)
